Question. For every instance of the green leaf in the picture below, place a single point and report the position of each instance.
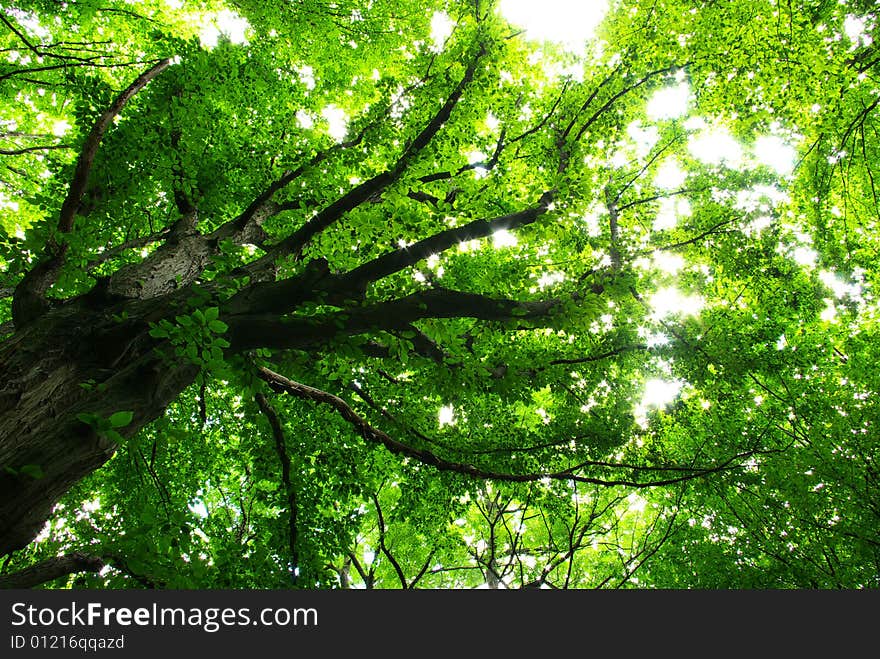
(121, 419)
(34, 471)
(88, 418)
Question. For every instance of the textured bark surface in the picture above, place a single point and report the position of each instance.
(52, 568)
(78, 357)
(48, 369)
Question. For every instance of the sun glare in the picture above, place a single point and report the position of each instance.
(775, 153)
(503, 238)
(441, 29)
(446, 416)
(567, 22)
(715, 146)
(669, 301)
(337, 122)
(224, 23)
(670, 175)
(669, 102)
(657, 394)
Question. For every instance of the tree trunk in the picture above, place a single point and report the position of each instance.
(73, 360)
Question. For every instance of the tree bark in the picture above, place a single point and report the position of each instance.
(50, 569)
(71, 361)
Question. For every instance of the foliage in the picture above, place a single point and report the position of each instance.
(428, 288)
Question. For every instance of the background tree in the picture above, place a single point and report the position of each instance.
(387, 295)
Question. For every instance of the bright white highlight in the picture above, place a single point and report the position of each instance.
(716, 146)
(337, 122)
(775, 153)
(224, 23)
(840, 288)
(475, 157)
(668, 301)
(503, 238)
(668, 262)
(636, 503)
(307, 76)
(669, 102)
(304, 119)
(658, 394)
(805, 256)
(829, 313)
(670, 210)
(644, 139)
(60, 128)
(567, 22)
(548, 279)
(446, 416)
(199, 508)
(855, 29)
(441, 28)
(669, 175)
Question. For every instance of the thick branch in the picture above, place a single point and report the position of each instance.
(284, 296)
(90, 147)
(51, 569)
(251, 331)
(294, 243)
(280, 384)
(263, 202)
(623, 92)
(29, 300)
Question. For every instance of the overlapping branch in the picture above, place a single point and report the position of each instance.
(296, 241)
(285, 295)
(29, 299)
(280, 384)
(250, 331)
(281, 449)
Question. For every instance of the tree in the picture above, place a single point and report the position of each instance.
(360, 301)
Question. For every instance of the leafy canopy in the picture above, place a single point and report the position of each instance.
(515, 314)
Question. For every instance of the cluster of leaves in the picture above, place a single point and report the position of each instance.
(196, 337)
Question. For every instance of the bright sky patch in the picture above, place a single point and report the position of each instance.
(567, 22)
(644, 139)
(337, 122)
(775, 153)
(668, 262)
(716, 146)
(671, 301)
(503, 238)
(657, 394)
(224, 23)
(441, 28)
(669, 102)
(670, 210)
(446, 416)
(60, 128)
(669, 175)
